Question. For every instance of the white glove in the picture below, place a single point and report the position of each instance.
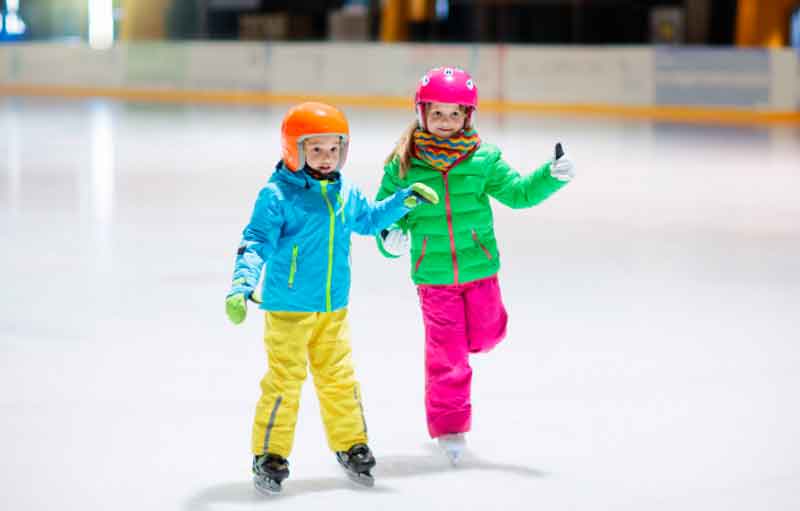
(561, 168)
(396, 242)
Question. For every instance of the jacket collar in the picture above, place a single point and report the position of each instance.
(301, 178)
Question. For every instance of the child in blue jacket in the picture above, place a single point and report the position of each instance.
(300, 228)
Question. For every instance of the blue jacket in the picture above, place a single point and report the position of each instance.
(301, 229)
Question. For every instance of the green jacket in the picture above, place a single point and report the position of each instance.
(453, 242)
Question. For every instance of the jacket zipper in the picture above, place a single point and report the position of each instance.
(450, 227)
(293, 267)
(479, 244)
(422, 254)
(332, 228)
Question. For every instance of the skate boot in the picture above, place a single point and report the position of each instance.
(269, 471)
(453, 446)
(357, 463)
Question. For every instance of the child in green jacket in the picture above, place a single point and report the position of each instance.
(454, 253)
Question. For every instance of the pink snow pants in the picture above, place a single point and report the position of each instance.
(459, 319)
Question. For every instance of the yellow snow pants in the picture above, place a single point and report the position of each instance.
(292, 340)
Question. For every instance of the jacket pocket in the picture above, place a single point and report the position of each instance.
(293, 266)
(422, 254)
(481, 245)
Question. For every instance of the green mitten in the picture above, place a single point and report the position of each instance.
(236, 308)
(421, 193)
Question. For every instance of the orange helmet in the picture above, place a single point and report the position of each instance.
(308, 120)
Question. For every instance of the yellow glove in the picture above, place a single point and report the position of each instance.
(421, 193)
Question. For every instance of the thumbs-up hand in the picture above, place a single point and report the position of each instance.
(561, 168)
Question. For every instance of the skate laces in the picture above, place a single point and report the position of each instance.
(274, 462)
(452, 441)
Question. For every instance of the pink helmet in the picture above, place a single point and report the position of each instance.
(446, 85)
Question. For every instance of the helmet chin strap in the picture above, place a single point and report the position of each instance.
(468, 123)
(333, 175)
(421, 116)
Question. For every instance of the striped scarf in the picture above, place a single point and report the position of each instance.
(443, 153)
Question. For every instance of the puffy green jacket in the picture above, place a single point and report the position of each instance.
(453, 242)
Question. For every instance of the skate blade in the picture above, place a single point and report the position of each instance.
(363, 479)
(267, 486)
(454, 457)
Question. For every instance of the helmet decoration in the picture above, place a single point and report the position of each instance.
(446, 85)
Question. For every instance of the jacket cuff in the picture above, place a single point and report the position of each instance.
(240, 286)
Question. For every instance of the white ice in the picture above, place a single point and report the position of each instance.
(652, 360)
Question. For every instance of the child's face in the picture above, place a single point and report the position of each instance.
(322, 153)
(445, 119)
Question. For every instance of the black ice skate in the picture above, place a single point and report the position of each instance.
(357, 463)
(269, 471)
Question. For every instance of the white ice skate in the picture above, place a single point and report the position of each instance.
(453, 446)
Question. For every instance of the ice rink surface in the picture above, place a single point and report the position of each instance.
(652, 360)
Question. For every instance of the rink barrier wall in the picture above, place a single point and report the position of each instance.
(663, 83)
(661, 113)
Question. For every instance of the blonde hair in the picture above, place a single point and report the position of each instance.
(403, 150)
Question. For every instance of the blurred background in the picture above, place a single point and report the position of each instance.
(772, 23)
(651, 362)
(645, 58)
